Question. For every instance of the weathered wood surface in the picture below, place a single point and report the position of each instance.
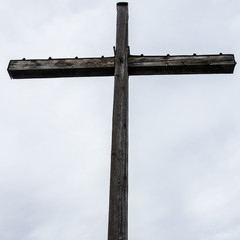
(56, 68)
(193, 64)
(118, 200)
(137, 65)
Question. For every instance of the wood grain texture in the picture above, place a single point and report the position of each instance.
(137, 65)
(57, 68)
(118, 200)
(186, 64)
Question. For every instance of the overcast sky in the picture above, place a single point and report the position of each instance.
(55, 134)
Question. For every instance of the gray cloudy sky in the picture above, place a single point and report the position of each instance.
(55, 135)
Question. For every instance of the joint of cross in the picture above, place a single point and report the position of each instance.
(120, 59)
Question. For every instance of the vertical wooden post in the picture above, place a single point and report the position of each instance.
(118, 203)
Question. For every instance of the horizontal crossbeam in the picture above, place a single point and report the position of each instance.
(137, 65)
(56, 68)
(196, 64)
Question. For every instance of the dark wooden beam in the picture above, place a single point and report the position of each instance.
(186, 64)
(118, 200)
(56, 68)
(137, 65)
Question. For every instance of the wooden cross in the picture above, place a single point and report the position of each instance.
(121, 66)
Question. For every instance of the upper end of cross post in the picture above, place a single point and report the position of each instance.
(122, 4)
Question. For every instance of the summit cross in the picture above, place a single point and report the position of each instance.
(121, 65)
